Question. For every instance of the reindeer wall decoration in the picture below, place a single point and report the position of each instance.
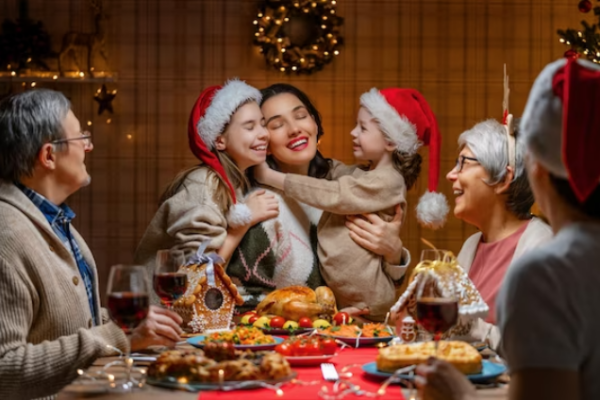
(77, 43)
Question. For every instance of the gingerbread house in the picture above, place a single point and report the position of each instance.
(438, 276)
(209, 300)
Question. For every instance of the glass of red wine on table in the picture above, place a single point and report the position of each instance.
(437, 305)
(169, 282)
(128, 305)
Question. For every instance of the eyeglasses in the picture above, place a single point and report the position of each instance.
(86, 136)
(460, 162)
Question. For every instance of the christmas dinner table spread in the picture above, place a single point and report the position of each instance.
(308, 384)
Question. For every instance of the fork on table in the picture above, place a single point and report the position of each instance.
(329, 372)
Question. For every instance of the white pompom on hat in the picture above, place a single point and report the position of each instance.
(406, 119)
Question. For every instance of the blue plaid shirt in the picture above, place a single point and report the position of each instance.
(59, 218)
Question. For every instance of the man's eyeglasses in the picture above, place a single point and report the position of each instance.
(86, 136)
(460, 162)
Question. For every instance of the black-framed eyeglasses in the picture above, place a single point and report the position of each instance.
(86, 136)
(460, 162)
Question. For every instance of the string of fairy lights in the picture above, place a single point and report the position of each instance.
(298, 36)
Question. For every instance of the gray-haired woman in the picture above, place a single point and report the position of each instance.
(493, 194)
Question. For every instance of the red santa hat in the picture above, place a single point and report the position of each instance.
(208, 119)
(561, 123)
(407, 120)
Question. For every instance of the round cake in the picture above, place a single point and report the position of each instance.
(460, 354)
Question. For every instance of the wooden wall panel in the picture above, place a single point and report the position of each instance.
(165, 52)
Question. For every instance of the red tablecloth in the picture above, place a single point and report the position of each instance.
(291, 391)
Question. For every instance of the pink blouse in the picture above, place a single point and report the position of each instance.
(489, 266)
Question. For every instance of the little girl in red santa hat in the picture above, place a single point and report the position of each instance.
(392, 124)
(206, 203)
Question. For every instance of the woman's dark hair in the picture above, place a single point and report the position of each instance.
(591, 207)
(319, 166)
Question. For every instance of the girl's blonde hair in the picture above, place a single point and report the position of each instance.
(222, 195)
(409, 165)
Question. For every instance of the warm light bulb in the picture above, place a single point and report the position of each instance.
(323, 26)
(282, 69)
(324, 17)
(336, 52)
(333, 11)
(114, 91)
(13, 73)
(257, 34)
(255, 22)
(108, 121)
(29, 59)
(280, 40)
(129, 137)
(326, 53)
(33, 84)
(81, 74)
(315, 47)
(277, 60)
(294, 68)
(283, 49)
(267, 18)
(260, 15)
(55, 77)
(286, 19)
(302, 60)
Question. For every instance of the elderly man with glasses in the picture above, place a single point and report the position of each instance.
(51, 321)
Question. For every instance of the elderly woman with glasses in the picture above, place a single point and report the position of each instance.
(492, 193)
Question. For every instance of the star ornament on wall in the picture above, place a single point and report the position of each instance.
(104, 99)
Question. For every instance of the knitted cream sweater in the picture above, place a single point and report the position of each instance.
(45, 321)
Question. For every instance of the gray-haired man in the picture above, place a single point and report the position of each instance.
(51, 322)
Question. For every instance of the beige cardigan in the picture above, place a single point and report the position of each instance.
(184, 221)
(356, 276)
(45, 320)
(536, 233)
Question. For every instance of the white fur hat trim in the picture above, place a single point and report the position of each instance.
(432, 210)
(541, 123)
(239, 215)
(223, 105)
(397, 127)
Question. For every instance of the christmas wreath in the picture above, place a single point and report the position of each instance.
(298, 36)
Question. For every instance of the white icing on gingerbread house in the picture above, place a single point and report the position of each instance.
(441, 274)
(210, 298)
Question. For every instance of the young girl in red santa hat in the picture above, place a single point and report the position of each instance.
(392, 123)
(206, 203)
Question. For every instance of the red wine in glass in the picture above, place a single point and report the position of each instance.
(437, 315)
(128, 309)
(170, 286)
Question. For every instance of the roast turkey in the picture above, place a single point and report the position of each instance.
(295, 302)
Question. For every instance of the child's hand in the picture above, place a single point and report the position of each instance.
(263, 206)
(267, 176)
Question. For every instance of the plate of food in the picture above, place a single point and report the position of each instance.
(489, 371)
(356, 336)
(221, 368)
(461, 355)
(307, 350)
(243, 338)
(283, 331)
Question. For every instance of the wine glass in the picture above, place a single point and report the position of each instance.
(437, 305)
(128, 304)
(169, 282)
